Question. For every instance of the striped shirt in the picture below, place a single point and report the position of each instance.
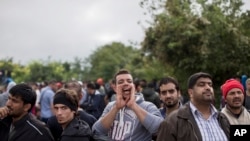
(209, 128)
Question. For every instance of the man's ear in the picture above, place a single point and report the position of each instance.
(190, 93)
(81, 95)
(115, 88)
(179, 94)
(26, 107)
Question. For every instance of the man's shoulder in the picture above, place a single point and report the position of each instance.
(84, 115)
(32, 120)
(183, 112)
(77, 127)
(36, 128)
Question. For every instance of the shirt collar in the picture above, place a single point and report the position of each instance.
(195, 111)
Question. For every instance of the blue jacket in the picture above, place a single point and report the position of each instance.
(94, 104)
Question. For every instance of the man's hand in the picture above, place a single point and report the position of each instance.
(131, 101)
(120, 101)
(4, 111)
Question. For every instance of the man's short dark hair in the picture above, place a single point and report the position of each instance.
(74, 85)
(91, 85)
(121, 71)
(193, 78)
(26, 93)
(167, 80)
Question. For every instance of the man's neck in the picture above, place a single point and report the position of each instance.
(204, 108)
(171, 109)
(15, 119)
(234, 110)
(248, 92)
(66, 124)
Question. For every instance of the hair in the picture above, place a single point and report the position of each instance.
(74, 85)
(167, 80)
(51, 82)
(91, 85)
(70, 95)
(193, 78)
(26, 93)
(143, 83)
(137, 83)
(121, 71)
(113, 81)
(248, 80)
(97, 86)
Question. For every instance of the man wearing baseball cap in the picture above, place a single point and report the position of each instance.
(233, 93)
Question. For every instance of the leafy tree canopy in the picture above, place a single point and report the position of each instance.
(204, 36)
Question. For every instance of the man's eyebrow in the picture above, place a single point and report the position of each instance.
(204, 82)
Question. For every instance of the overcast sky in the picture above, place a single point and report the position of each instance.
(65, 29)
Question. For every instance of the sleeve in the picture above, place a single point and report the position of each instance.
(161, 133)
(153, 118)
(166, 131)
(51, 97)
(98, 129)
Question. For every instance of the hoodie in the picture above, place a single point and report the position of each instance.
(126, 125)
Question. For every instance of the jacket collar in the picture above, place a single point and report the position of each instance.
(21, 122)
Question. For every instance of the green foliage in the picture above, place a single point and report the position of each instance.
(16, 70)
(38, 71)
(45, 71)
(213, 38)
(108, 59)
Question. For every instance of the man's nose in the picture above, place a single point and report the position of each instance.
(8, 103)
(208, 86)
(59, 111)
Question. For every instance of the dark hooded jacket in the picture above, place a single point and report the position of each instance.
(150, 95)
(56, 128)
(77, 130)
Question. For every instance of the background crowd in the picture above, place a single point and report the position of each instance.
(123, 108)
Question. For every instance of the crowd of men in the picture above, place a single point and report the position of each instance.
(125, 110)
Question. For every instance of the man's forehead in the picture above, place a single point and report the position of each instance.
(168, 85)
(203, 79)
(59, 105)
(234, 89)
(124, 76)
(15, 96)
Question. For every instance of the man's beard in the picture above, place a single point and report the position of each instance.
(170, 105)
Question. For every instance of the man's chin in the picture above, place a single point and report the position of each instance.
(61, 122)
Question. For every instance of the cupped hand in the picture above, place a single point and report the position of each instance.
(4, 111)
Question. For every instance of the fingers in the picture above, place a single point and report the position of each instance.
(119, 90)
(4, 111)
(131, 101)
(132, 97)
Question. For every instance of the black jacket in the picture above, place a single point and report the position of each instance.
(26, 129)
(77, 130)
(56, 128)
